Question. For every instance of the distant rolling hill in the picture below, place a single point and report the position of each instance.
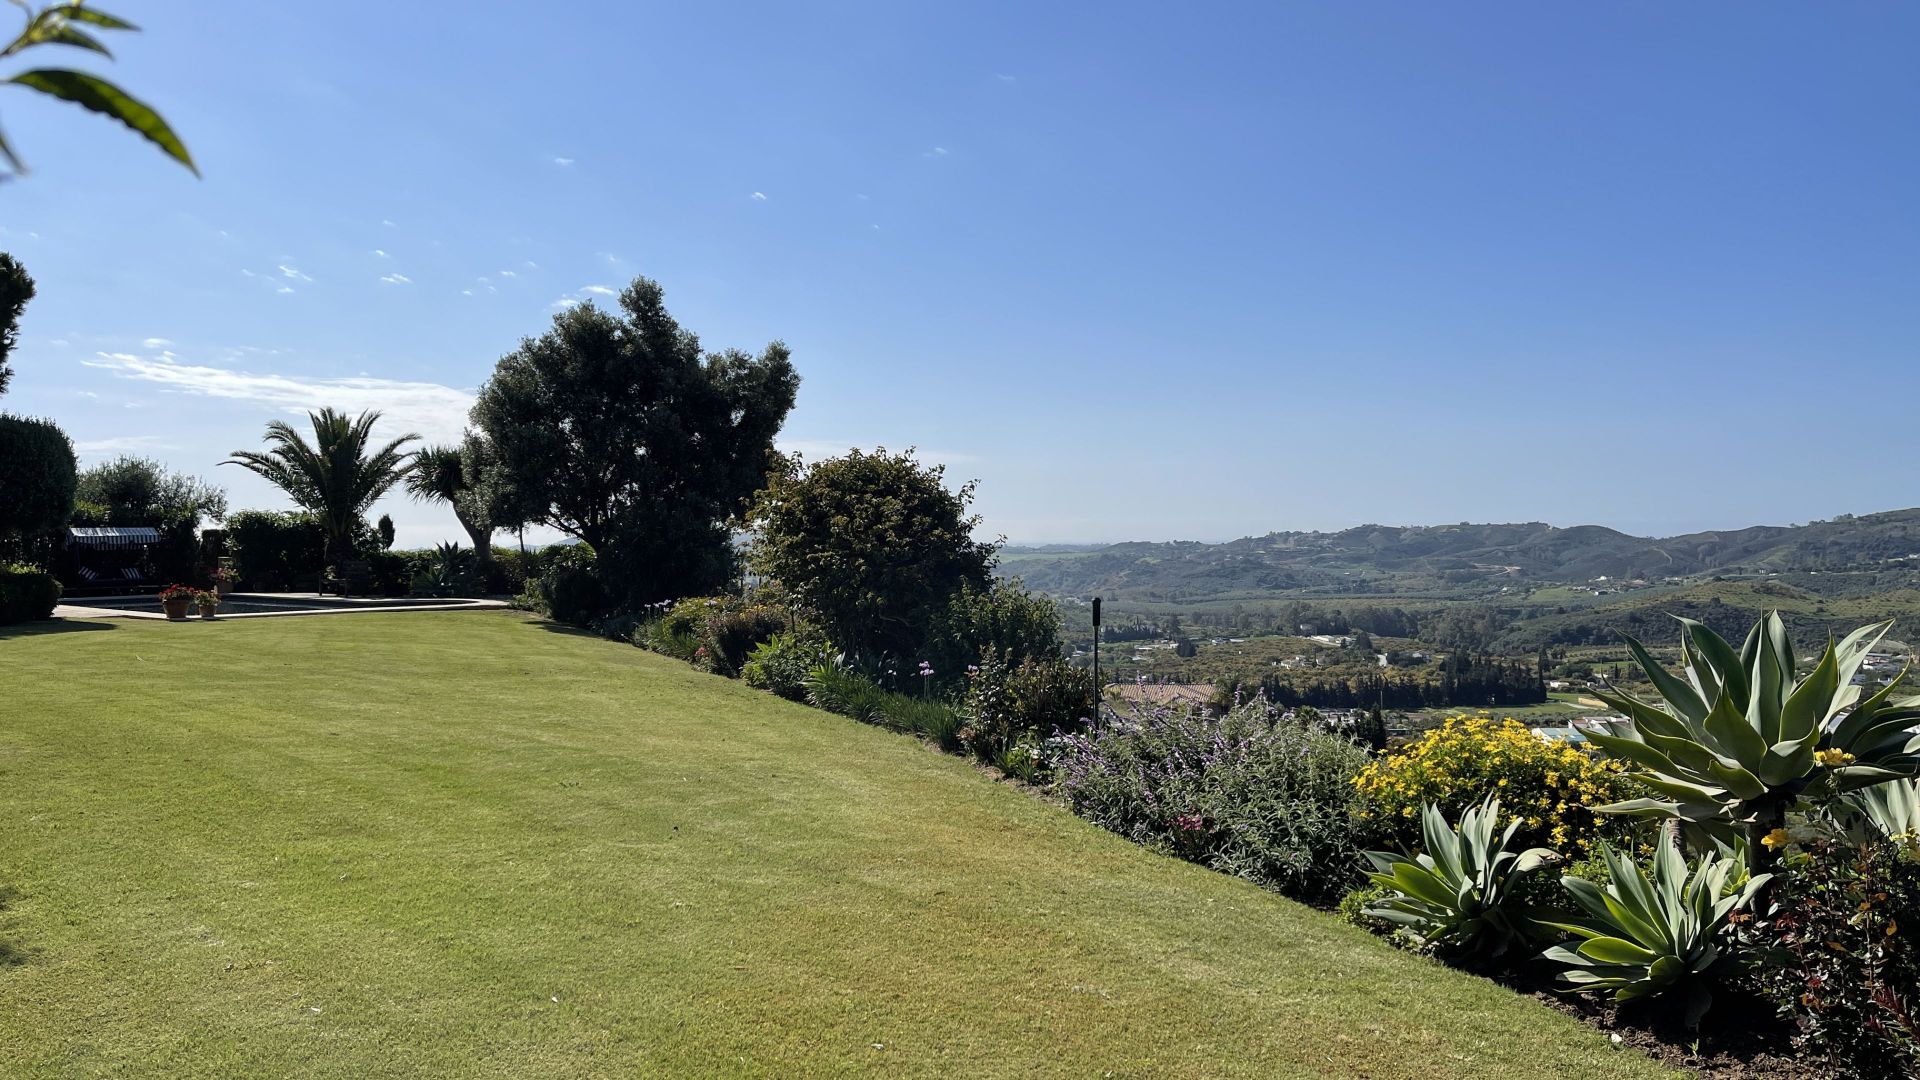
(1457, 560)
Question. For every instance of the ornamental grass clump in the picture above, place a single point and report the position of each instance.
(1551, 790)
(1249, 793)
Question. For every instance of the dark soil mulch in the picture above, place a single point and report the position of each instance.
(1742, 1038)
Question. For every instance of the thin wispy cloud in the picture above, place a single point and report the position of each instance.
(563, 161)
(388, 222)
(121, 444)
(379, 254)
(936, 152)
(563, 303)
(436, 412)
(155, 343)
(508, 273)
(397, 279)
(758, 196)
(1004, 78)
(284, 290)
(599, 290)
(293, 273)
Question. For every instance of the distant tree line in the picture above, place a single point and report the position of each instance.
(1463, 680)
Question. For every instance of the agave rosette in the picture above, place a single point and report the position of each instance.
(1739, 739)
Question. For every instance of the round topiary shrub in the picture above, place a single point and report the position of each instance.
(27, 594)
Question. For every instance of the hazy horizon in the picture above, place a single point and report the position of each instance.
(1014, 543)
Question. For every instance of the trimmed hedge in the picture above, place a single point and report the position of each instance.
(26, 594)
(275, 550)
(38, 474)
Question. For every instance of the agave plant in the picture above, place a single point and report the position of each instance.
(1458, 896)
(1740, 739)
(1665, 933)
(449, 571)
(1883, 811)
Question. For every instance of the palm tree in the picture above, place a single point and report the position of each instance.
(337, 478)
(439, 475)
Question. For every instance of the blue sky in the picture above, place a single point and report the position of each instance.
(1146, 271)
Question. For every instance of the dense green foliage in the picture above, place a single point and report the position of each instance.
(850, 692)
(38, 475)
(873, 545)
(1461, 895)
(717, 633)
(1011, 708)
(1844, 946)
(275, 550)
(1002, 621)
(781, 664)
(16, 289)
(27, 594)
(1248, 793)
(617, 430)
(336, 478)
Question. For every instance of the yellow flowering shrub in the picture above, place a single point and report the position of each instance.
(1551, 787)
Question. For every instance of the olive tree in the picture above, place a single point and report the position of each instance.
(616, 428)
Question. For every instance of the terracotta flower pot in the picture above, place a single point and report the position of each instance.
(176, 607)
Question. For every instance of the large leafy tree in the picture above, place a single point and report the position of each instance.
(450, 474)
(131, 490)
(618, 430)
(16, 288)
(337, 477)
(875, 545)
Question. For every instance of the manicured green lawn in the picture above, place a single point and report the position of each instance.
(460, 844)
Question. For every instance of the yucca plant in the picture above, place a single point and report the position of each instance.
(1740, 739)
(1458, 896)
(1665, 933)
